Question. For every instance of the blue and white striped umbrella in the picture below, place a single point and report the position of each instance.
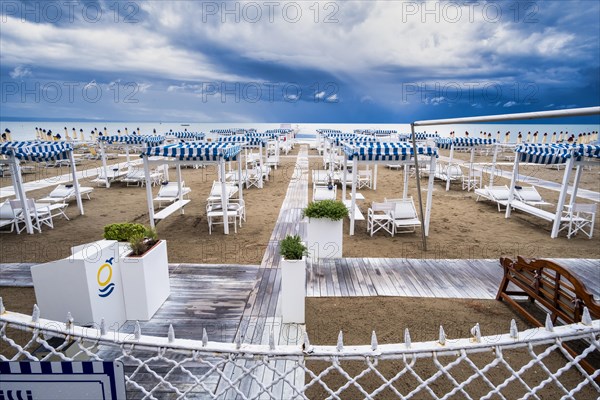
(37, 150)
(382, 151)
(197, 151)
(149, 140)
(263, 135)
(244, 141)
(278, 131)
(186, 135)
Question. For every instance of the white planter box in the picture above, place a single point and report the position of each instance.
(293, 290)
(87, 284)
(324, 238)
(145, 282)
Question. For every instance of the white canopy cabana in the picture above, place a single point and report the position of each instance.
(384, 152)
(126, 140)
(577, 156)
(37, 151)
(464, 142)
(192, 153)
(247, 142)
(185, 135)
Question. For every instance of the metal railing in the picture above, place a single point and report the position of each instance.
(529, 364)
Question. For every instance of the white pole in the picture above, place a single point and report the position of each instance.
(179, 187)
(261, 168)
(127, 153)
(224, 197)
(240, 185)
(76, 182)
(513, 182)
(375, 177)
(578, 172)
(353, 197)
(20, 191)
(562, 197)
(448, 168)
(405, 186)
(149, 191)
(344, 178)
(104, 166)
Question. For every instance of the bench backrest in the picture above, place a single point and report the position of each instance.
(553, 286)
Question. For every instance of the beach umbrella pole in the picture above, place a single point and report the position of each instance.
(104, 166)
(375, 177)
(429, 194)
(20, 192)
(240, 184)
(224, 197)
(353, 197)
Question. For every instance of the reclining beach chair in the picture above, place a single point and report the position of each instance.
(65, 193)
(7, 216)
(473, 181)
(169, 193)
(581, 218)
(405, 217)
(529, 195)
(215, 192)
(380, 216)
(114, 174)
(496, 194)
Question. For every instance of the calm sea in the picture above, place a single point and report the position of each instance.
(22, 130)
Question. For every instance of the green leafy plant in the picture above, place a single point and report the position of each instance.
(140, 237)
(122, 232)
(332, 209)
(292, 248)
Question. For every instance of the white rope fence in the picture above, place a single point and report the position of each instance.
(534, 363)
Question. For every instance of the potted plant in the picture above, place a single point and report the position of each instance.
(144, 269)
(325, 228)
(293, 279)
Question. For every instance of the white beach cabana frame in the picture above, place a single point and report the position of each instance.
(578, 156)
(189, 154)
(38, 151)
(384, 152)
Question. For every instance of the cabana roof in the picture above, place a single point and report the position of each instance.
(555, 153)
(446, 143)
(382, 151)
(246, 140)
(286, 130)
(353, 139)
(150, 140)
(37, 150)
(197, 151)
(186, 135)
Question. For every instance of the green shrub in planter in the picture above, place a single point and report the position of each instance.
(335, 210)
(292, 248)
(140, 237)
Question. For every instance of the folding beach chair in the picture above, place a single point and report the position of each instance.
(380, 216)
(7, 216)
(40, 214)
(405, 217)
(581, 218)
(65, 193)
(216, 190)
(236, 213)
(473, 181)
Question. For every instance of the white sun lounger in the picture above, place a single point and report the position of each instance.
(216, 192)
(322, 192)
(64, 194)
(497, 194)
(405, 217)
(169, 193)
(531, 196)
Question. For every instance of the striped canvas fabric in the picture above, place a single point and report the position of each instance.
(328, 131)
(186, 135)
(381, 151)
(555, 153)
(446, 143)
(263, 135)
(231, 131)
(133, 139)
(37, 150)
(278, 131)
(354, 139)
(244, 141)
(197, 151)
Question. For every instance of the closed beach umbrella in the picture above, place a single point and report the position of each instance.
(545, 138)
(553, 140)
(519, 138)
(138, 130)
(535, 137)
(81, 135)
(126, 132)
(528, 137)
(507, 137)
(105, 132)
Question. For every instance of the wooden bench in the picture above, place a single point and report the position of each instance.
(552, 286)
(165, 212)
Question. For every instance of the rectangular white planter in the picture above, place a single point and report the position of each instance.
(145, 282)
(87, 284)
(293, 290)
(324, 238)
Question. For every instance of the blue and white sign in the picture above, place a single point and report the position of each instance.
(71, 380)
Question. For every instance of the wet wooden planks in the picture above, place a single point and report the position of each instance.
(475, 279)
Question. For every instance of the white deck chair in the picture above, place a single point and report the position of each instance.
(135, 177)
(114, 174)
(40, 214)
(236, 213)
(169, 193)
(364, 178)
(65, 193)
(7, 216)
(497, 194)
(380, 216)
(530, 195)
(322, 192)
(472, 182)
(582, 218)
(405, 215)
(320, 176)
(253, 176)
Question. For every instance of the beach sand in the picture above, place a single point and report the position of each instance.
(460, 228)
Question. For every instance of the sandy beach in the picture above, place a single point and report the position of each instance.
(461, 228)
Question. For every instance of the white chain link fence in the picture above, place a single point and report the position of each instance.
(532, 364)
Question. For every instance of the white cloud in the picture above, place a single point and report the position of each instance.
(319, 95)
(19, 72)
(333, 98)
(509, 104)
